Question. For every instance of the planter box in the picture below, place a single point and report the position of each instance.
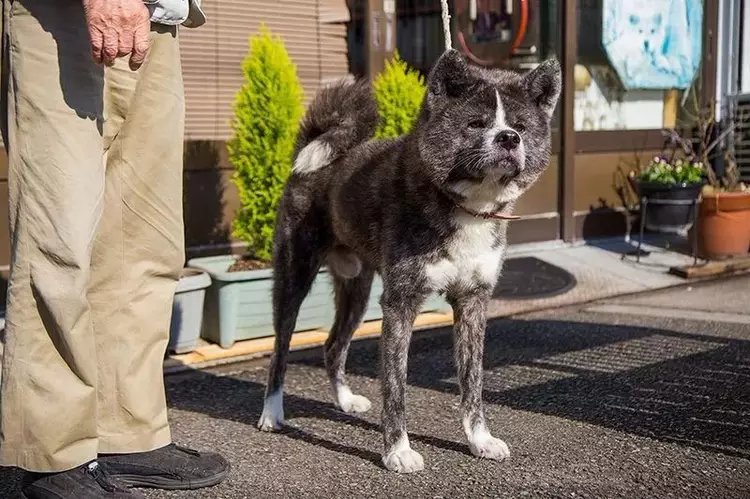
(670, 209)
(433, 304)
(238, 305)
(187, 311)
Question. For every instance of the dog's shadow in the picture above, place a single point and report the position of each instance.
(203, 392)
(608, 369)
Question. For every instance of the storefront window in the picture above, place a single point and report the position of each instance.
(355, 37)
(493, 33)
(419, 32)
(638, 63)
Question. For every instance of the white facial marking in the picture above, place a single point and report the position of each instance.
(314, 156)
(402, 459)
(483, 444)
(349, 402)
(272, 417)
(471, 256)
(499, 124)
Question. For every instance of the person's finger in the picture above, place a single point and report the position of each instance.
(97, 43)
(140, 46)
(126, 44)
(109, 47)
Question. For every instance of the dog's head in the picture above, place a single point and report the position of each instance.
(484, 135)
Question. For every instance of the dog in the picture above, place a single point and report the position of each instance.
(427, 211)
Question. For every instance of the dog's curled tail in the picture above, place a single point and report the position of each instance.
(342, 116)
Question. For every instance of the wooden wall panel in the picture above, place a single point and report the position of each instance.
(314, 32)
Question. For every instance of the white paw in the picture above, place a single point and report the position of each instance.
(272, 417)
(270, 422)
(404, 461)
(349, 402)
(490, 447)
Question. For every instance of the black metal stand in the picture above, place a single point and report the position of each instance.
(694, 217)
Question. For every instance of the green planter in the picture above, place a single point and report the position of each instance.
(238, 305)
(433, 304)
(187, 311)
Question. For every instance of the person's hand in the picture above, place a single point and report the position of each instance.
(118, 28)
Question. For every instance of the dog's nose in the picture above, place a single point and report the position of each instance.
(508, 139)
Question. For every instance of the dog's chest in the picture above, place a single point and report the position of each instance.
(472, 256)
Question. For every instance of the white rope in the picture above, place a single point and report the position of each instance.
(446, 25)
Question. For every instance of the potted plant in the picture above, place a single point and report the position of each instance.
(187, 311)
(724, 219)
(267, 110)
(669, 186)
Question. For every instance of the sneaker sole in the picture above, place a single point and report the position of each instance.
(139, 481)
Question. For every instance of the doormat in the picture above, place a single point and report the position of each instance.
(528, 278)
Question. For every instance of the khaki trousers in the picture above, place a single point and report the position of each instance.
(95, 181)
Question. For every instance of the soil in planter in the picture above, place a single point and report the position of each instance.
(248, 263)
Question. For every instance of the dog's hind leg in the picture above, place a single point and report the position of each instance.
(352, 296)
(470, 312)
(298, 256)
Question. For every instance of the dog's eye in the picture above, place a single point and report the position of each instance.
(519, 127)
(477, 124)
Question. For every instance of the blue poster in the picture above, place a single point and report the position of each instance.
(653, 44)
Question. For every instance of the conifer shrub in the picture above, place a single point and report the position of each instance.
(399, 91)
(267, 112)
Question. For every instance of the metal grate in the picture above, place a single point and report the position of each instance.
(741, 140)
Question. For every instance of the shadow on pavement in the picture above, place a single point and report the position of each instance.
(690, 389)
(685, 388)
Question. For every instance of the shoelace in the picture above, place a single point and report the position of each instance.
(97, 473)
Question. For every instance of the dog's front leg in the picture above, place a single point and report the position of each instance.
(470, 315)
(399, 313)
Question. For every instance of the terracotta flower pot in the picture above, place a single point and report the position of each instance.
(724, 224)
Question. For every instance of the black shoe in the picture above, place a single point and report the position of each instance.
(171, 468)
(89, 481)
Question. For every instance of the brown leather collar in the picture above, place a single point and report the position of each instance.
(496, 215)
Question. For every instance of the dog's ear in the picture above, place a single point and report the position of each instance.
(544, 85)
(450, 76)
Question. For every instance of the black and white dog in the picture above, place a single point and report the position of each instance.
(425, 211)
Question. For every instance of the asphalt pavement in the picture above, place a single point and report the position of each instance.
(593, 403)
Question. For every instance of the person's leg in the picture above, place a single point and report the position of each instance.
(139, 250)
(56, 181)
(137, 258)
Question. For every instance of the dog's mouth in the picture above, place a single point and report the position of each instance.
(504, 169)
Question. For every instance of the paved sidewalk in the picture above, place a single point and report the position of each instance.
(602, 269)
(592, 404)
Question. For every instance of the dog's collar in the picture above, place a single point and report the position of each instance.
(486, 215)
(493, 215)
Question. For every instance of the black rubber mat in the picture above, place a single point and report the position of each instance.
(528, 278)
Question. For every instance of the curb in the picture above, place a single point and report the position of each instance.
(213, 355)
